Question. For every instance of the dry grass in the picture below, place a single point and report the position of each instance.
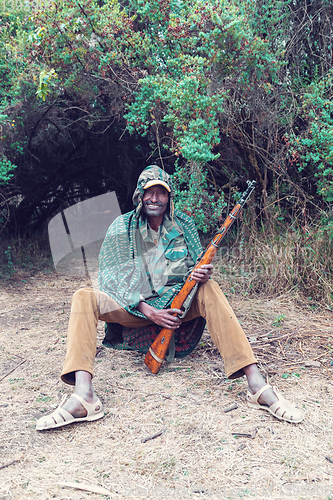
(197, 455)
(270, 264)
(24, 255)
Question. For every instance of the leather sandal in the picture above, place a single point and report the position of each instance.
(281, 409)
(62, 417)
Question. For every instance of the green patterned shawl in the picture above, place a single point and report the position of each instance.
(121, 270)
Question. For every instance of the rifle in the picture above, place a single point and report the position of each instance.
(157, 351)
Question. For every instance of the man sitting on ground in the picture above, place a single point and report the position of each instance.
(144, 259)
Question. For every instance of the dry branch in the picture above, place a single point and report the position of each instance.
(251, 435)
(11, 463)
(152, 436)
(87, 487)
(234, 406)
(11, 371)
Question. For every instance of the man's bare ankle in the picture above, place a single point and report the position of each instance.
(89, 396)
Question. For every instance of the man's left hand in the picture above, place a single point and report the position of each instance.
(203, 273)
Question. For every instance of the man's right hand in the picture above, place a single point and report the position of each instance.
(161, 317)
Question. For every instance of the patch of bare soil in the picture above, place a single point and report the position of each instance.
(195, 448)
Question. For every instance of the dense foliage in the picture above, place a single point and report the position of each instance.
(214, 91)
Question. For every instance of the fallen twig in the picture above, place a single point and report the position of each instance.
(87, 487)
(121, 387)
(318, 357)
(217, 375)
(246, 434)
(242, 435)
(234, 406)
(11, 463)
(295, 363)
(1, 379)
(273, 339)
(152, 436)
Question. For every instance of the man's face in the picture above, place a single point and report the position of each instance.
(155, 201)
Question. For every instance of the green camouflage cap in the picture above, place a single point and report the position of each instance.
(149, 175)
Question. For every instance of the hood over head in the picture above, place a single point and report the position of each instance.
(150, 174)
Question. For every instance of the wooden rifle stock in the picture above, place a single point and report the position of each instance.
(157, 351)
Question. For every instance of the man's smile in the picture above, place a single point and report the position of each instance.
(155, 201)
(152, 206)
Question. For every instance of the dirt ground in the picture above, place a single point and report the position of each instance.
(201, 451)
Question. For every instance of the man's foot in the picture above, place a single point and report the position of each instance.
(80, 411)
(281, 408)
(73, 405)
(264, 397)
(257, 382)
(267, 397)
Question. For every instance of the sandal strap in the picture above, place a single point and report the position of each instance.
(91, 408)
(253, 398)
(59, 415)
(281, 406)
(63, 415)
(63, 399)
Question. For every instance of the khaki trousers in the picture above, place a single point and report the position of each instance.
(89, 306)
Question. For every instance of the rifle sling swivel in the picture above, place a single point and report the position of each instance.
(221, 232)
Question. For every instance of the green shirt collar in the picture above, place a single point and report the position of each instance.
(168, 230)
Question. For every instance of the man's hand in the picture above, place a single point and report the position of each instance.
(203, 273)
(161, 317)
